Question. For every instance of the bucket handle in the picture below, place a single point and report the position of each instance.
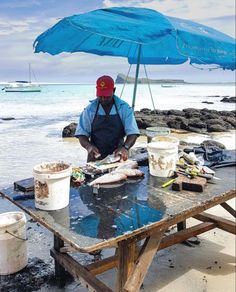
(24, 239)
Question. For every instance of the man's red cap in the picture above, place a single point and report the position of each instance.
(105, 86)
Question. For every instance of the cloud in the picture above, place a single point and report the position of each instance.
(183, 9)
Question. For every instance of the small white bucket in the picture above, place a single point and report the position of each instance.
(52, 185)
(13, 245)
(162, 157)
(152, 132)
(168, 139)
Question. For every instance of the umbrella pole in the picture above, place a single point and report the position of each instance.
(136, 76)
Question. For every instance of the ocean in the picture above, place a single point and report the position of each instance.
(34, 136)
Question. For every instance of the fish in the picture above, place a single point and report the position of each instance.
(108, 178)
(129, 172)
(131, 164)
(108, 160)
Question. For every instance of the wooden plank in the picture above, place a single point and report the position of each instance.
(185, 234)
(78, 271)
(141, 267)
(177, 237)
(126, 257)
(222, 223)
(103, 265)
(229, 209)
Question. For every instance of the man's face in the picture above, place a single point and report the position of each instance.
(105, 100)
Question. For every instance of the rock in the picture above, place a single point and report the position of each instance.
(7, 119)
(196, 123)
(216, 128)
(176, 113)
(145, 111)
(191, 113)
(190, 119)
(208, 102)
(231, 121)
(69, 131)
(227, 114)
(231, 99)
(207, 143)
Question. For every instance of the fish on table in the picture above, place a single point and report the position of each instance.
(119, 174)
(108, 178)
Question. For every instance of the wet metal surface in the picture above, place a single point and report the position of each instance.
(105, 213)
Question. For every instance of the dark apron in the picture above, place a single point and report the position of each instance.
(107, 133)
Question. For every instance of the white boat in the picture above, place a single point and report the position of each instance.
(22, 86)
(167, 85)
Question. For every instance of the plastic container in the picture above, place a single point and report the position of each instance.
(162, 157)
(152, 132)
(13, 244)
(52, 185)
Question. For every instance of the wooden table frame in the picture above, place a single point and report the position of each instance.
(132, 260)
(132, 263)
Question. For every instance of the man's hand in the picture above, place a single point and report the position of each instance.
(93, 152)
(122, 152)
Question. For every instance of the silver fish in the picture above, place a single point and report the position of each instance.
(108, 178)
(109, 159)
(129, 172)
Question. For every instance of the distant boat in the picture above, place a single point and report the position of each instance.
(23, 86)
(167, 85)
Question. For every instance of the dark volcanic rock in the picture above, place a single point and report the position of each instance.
(7, 118)
(190, 119)
(208, 102)
(191, 113)
(231, 99)
(69, 131)
(208, 143)
(231, 121)
(216, 128)
(196, 123)
(176, 113)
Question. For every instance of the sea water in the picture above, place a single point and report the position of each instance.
(35, 134)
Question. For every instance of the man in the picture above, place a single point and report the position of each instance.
(105, 122)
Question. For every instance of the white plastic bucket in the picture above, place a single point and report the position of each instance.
(162, 157)
(152, 132)
(169, 139)
(52, 185)
(13, 244)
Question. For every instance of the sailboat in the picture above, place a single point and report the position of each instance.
(23, 86)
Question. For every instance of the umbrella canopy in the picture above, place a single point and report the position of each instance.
(143, 36)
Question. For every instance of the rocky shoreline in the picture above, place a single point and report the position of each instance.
(201, 121)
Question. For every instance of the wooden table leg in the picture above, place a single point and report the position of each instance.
(131, 274)
(60, 272)
(229, 209)
(126, 257)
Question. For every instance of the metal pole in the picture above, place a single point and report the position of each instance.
(29, 73)
(136, 76)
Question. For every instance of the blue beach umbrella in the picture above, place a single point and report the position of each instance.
(143, 36)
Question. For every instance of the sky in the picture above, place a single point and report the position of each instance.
(21, 21)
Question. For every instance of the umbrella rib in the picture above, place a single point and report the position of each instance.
(100, 34)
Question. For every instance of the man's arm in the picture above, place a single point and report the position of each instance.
(130, 140)
(93, 152)
(124, 149)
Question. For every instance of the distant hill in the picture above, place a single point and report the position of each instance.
(120, 79)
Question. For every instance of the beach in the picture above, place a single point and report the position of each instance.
(33, 136)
